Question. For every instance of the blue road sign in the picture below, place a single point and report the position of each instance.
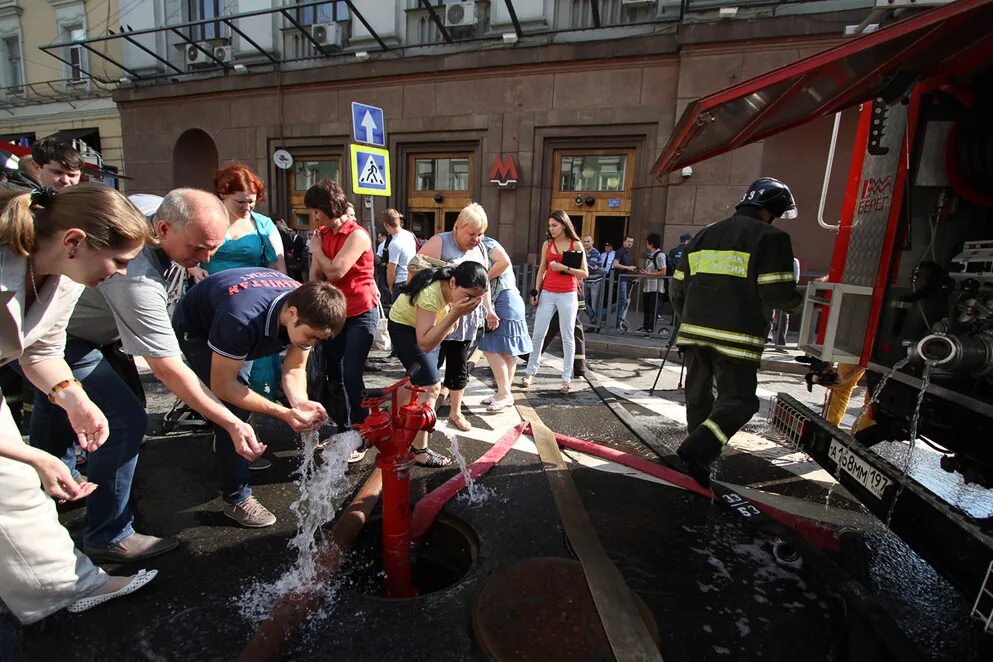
(367, 124)
(370, 170)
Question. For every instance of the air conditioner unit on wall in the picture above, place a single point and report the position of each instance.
(461, 14)
(196, 58)
(327, 34)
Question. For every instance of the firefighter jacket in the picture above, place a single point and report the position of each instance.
(730, 276)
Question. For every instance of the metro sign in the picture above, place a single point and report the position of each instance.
(504, 171)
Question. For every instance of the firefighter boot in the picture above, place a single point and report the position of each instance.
(698, 453)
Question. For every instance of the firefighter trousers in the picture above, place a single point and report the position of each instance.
(711, 421)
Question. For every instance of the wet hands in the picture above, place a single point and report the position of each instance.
(88, 422)
(246, 444)
(306, 416)
(466, 305)
(57, 481)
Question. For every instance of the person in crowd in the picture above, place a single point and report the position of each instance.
(51, 244)
(607, 257)
(130, 314)
(402, 247)
(652, 285)
(624, 263)
(252, 240)
(781, 318)
(381, 237)
(593, 282)
(343, 256)
(435, 301)
(238, 315)
(730, 274)
(59, 164)
(294, 251)
(555, 291)
(382, 254)
(461, 244)
(28, 169)
(675, 254)
(579, 361)
(510, 338)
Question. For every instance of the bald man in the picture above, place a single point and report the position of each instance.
(130, 316)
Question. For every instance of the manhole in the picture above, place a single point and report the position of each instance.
(541, 609)
(440, 559)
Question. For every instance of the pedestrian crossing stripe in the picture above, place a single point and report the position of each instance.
(370, 170)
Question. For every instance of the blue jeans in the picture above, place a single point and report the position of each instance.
(108, 518)
(591, 293)
(236, 480)
(622, 299)
(344, 361)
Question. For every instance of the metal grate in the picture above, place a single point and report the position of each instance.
(789, 422)
(984, 601)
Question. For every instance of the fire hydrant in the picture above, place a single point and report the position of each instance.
(392, 433)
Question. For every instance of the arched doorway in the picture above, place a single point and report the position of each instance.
(194, 160)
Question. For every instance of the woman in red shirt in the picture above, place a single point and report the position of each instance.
(342, 255)
(555, 291)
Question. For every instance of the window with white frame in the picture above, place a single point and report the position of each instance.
(76, 60)
(201, 10)
(13, 75)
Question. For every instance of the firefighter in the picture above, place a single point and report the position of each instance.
(730, 276)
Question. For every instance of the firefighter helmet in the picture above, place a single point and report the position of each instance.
(772, 195)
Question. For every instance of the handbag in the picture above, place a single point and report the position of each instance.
(381, 340)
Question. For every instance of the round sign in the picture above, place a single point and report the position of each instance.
(282, 159)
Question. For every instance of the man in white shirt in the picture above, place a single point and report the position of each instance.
(403, 246)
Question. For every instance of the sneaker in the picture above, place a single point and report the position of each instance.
(259, 463)
(136, 547)
(250, 513)
(623, 327)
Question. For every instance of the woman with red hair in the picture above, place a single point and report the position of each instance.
(252, 239)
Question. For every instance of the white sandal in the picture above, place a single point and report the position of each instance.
(496, 404)
(139, 580)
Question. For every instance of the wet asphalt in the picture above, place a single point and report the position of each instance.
(710, 581)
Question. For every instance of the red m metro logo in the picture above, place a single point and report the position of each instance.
(504, 171)
(875, 186)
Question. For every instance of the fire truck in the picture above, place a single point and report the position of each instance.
(909, 294)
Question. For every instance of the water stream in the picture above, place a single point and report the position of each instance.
(925, 380)
(475, 493)
(321, 481)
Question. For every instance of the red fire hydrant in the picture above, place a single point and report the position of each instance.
(392, 433)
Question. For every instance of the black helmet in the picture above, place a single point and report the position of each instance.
(772, 195)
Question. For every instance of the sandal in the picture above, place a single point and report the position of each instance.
(526, 381)
(434, 460)
(566, 388)
(357, 456)
(460, 422)
(496, 404)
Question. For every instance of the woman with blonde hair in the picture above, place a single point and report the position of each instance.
(463, 243)
(555, 291)
(48, 240)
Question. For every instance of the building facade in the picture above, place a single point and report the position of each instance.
(68, 92)
(548, 107)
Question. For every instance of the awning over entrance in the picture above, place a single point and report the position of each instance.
(944, 41)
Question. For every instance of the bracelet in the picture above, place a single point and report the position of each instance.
(61, 386)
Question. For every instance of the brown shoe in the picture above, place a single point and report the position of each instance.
(136, 547)
(250, 513)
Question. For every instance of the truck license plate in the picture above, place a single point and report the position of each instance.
(871, 479)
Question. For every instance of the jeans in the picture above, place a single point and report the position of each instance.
(591, 292)
(111, 467)
(344, 360)
(236, 480)
(567, 306)
(622, 299)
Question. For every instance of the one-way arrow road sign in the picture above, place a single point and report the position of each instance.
(367, 124)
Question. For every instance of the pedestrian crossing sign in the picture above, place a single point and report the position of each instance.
(370, 170)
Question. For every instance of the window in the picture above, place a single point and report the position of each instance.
(593, 173)
(327, 12)
(200, 10)
(12, 78)
(76, 56)
(308, 173)
(441, 174)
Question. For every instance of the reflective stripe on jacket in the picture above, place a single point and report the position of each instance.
(729, 278)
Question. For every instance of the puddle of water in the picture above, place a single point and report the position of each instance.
(321, 481)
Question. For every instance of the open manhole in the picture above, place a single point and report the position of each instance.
(541, 609)
(440, 559)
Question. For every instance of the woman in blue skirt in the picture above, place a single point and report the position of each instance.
(511, 338)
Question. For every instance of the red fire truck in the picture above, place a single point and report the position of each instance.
(911, 280)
